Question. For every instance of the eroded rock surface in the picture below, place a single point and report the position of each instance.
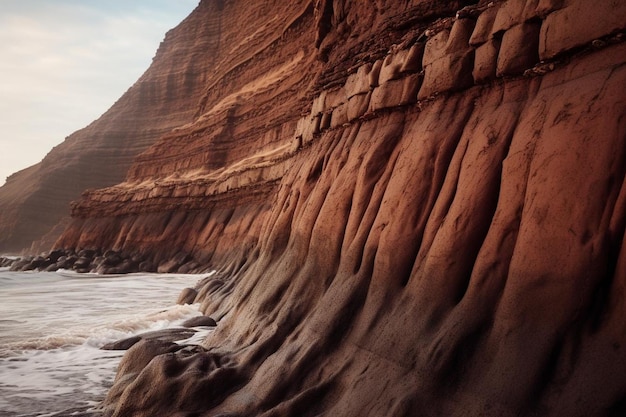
(414, 208)
(34, 201)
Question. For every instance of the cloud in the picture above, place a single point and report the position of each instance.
(64, 63)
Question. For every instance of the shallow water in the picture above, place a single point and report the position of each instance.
(52, 325)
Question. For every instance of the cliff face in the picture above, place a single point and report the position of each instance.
(34, 200)
(414, 209)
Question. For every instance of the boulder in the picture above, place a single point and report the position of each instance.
(110, 252)
(82, 263)
(136, 359)
(200, 321)
(154, 380)
(21, 264)
(66, 262)
(87, 253)
(162, 336)
(39, 262)
(127, 266)
(111, 259)
(123, 344)
(55, 255)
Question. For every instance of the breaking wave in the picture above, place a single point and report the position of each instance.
(53, 325)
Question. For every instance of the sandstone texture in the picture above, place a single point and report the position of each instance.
(34, 200)
(414, 208)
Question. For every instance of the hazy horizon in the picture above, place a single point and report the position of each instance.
(65, 63)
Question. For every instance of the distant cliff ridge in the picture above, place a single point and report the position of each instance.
(34, 200)
(415, 209)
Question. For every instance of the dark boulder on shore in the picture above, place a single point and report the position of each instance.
(133, 362)
(66, 262)
(82, 263)
(39, 262)
(21, 264)
(55, 255)
(110, 262)
(111, 258)
(123, 344)
(125, 266)
(200, 321)
(142, 353)
(87, 253)
(52, 268)
(159, 372)
(6, 262)
(165, 335)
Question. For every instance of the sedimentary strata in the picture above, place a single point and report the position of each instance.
(35, 200)
(413, 208)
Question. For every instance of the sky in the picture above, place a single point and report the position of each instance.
(63, 63)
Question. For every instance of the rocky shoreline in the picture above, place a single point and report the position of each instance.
(107, 262)
(143, 347)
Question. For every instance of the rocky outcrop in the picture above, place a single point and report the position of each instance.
(34, 200)
(413, 208)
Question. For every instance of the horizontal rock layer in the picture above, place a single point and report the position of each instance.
(33, 200)
(414, 209)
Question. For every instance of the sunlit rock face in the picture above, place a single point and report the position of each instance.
(34, 200)
(414, 208)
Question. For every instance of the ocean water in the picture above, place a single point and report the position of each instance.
(52, 325)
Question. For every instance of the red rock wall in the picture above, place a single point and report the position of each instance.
(34, 200)
(463, 268)
(441, 233)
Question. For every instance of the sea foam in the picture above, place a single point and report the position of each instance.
(53, 325)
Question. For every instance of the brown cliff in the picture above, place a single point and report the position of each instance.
(414, 209)
(34, 200)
